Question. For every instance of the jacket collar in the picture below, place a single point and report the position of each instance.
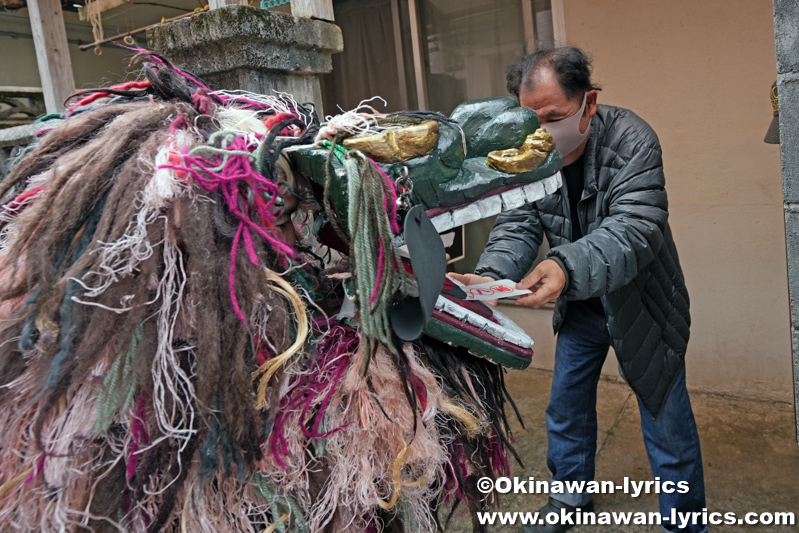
(597, 129)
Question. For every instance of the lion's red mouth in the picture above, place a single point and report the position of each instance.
(480, 327)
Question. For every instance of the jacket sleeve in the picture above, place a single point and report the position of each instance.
(513, 244)
(627, 239)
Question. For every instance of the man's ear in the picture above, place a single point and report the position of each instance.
(590, 102)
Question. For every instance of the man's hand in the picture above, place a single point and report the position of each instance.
(546, 281)
(473, 279)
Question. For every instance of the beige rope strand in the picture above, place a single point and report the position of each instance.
(13, 482)
(270, 367)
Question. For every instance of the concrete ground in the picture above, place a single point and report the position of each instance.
(749, 448)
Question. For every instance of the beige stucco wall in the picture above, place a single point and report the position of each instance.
(699, 71)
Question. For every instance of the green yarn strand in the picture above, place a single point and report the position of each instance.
(119, 385)
(370, 231)
(279, 504)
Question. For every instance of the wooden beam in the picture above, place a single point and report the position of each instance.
(137, 30)
(52, 52)
(20, 91)
(314, 9)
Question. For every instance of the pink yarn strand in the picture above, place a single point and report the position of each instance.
(233, 181)
(36, 470)
(390, 201)
(139, 436)
(232, 279)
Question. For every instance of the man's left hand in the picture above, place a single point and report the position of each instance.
(546, 281)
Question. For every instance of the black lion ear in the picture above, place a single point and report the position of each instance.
(429, 263)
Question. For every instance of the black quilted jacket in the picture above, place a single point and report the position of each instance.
(627, 256)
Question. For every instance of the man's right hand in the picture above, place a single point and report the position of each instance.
(473, 279)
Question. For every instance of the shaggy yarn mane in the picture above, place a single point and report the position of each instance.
(170, 358)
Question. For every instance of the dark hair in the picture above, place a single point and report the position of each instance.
(570, 64)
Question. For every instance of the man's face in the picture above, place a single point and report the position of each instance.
(548, 100)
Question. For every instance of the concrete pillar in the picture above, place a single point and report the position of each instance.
(240, 47)
(786, 29)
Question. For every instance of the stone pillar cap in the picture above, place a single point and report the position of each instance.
(238, 36)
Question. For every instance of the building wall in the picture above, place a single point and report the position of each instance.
(18, 59)
(786, 29)
(700, 71)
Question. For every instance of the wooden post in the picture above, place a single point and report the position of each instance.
(395, 17)
(313, 9)
(558, 23)
(528, 19)
(420, 72)
(52, 52)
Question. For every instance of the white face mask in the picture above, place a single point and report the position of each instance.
(566, 132)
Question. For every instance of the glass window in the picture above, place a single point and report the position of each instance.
(542, 19)
(376, 60)
(469, 45)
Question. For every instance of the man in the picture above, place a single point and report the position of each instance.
(614, 272)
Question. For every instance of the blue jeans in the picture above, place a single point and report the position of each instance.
(672, 442)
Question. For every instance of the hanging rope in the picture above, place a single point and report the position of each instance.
(375, 258)
(92, 10)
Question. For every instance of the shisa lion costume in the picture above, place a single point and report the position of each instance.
(218, 315)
